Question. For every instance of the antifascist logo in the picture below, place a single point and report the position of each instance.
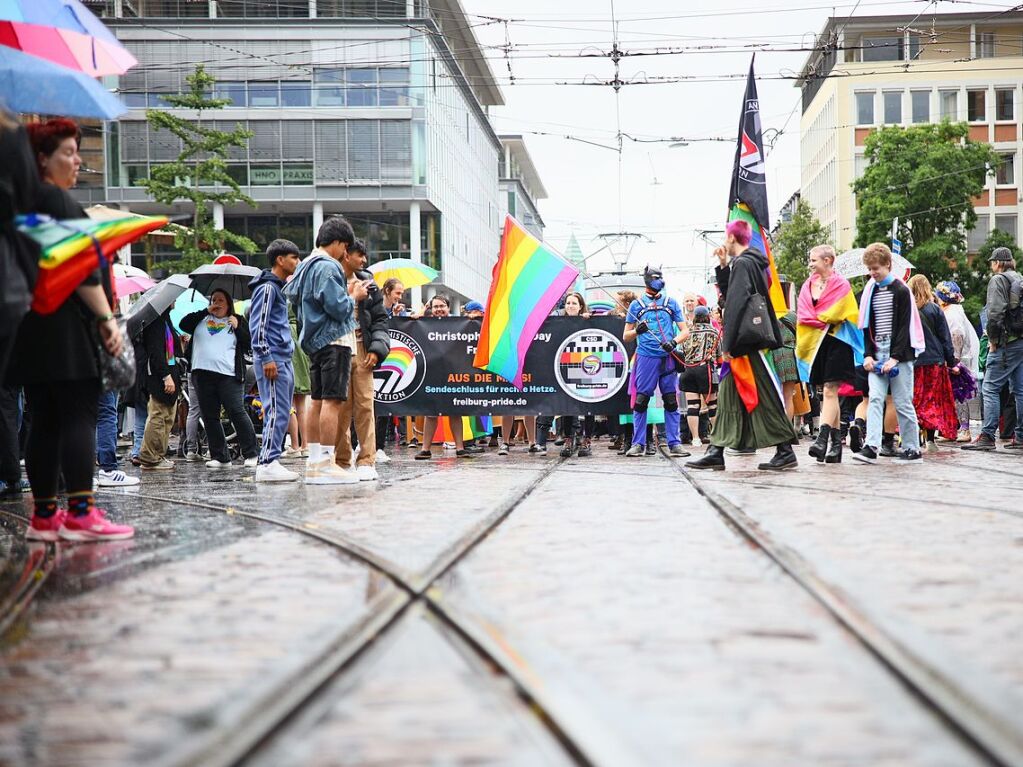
(591, 365)
(403, 372)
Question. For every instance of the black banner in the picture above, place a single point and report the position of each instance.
(574, 366)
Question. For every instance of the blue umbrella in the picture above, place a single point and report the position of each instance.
(31, 84)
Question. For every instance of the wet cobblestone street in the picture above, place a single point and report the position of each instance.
(524, 610)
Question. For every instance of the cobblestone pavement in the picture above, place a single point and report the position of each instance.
(614, 590)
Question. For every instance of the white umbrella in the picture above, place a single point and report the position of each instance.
(850, 264)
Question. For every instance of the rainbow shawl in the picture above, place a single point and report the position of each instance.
(472, 427)
(529, 280)
(836, 313)
(916, 328)
(741, 371)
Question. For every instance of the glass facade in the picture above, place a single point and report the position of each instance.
(258, 9)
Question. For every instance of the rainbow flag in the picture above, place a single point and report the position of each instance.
(759, 241)
(473, 426)
(529, 280)
(835, 312)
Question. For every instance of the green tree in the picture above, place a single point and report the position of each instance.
(793, 242)
(199, 174)
(927, 177)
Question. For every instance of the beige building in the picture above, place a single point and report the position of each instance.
(901, 70)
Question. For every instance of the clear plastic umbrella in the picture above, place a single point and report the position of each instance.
(850, 264)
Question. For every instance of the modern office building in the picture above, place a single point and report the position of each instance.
(374, 109)
(872, 71)
(520, 185)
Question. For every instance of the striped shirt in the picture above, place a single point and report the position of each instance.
(882, 310)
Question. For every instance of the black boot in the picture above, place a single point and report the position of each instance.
(784, 458)
(626, 439)
(820, 446)
(834, 454)
(857, 432)
(713, 459)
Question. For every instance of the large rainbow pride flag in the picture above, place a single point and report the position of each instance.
(529, 280)
(760, 242)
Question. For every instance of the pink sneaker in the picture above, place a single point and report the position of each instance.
(45, 528)
(94, 526)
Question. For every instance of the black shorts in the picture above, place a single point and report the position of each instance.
(330, 369)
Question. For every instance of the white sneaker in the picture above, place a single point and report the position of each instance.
(115, 478)
(382, 457)
(192, 455)
(251, 463)
(449, 446)
(326, 472)
(366, 473)
(215, 464)
(274, 472)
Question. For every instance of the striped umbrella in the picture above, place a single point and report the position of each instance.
(411, 274)
(71, 249)
(64, 32)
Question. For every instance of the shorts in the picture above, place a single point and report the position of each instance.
(330, 370)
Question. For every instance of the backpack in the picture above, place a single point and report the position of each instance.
(1014, 312)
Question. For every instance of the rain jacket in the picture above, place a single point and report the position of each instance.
(999, 290)
(323, 308)
(268, 320)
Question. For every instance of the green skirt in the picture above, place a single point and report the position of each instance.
(300, 362)
(766, 426)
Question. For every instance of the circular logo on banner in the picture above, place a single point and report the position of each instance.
(402, 373)
(591, 365)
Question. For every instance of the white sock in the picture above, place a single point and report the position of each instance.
(314, 452)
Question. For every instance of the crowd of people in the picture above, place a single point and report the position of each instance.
(887, 372)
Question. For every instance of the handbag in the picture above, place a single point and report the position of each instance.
(118, 372)
(800, 400)
(756, 328)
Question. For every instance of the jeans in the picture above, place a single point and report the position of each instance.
(106, 431)
(901, 389)
(141, 414)
(192, 421)
(216, 391)
(1004, 365)
(276, 397)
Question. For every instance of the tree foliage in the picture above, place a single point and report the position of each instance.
(793, 242)
(927, 177)
(199, 174)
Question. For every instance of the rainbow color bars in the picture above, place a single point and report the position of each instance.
(529, 279)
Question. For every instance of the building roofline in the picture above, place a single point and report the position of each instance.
(451, 18)
(518, 146)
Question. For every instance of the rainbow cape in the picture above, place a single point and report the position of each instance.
(740, 211)
(529, 279)
(836, 313)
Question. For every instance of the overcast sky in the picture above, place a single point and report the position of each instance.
(668, 194)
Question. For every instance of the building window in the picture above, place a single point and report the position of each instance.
(329, 85)
(1005, 102)
(1006, 174)
(975, 237)
(882, 48)
(976, 106)
(511, 203)
(949, 105)
(893, 107)
(861, 163)
(985, 45)
(1006, 223)
(394, 87)
(865, 108)
(921, 104)
(914, 47)
(362, 87)
(264, 94)
(235, 91)
(296, 93)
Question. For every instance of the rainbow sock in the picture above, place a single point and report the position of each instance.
(78, 504)
(44, 507)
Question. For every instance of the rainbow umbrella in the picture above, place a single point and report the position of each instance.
(71, 249)
(411, 274)
(64, 32)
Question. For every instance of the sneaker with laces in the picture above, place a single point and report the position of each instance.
(503, 450)
(274, 472)
(382, 457)
(326, 472)
(983, 442)
(94, 526)
(213, 463)
(251, 463)
(45, 528)
(867, 454)
(15, 489)
(908, 455)
(115, 478)
(541, 449)
(366, 473)
(163, 465)
(677, 451)
(635, 451)
(192, 456)
(1015, 445)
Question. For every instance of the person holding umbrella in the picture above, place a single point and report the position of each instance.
(220, 339)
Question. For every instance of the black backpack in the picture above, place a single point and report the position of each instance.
(1014, 312)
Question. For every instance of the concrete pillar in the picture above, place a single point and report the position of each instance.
(317, 218)
(312, 9)
(415, 252)
(218, 215)
(410, 8)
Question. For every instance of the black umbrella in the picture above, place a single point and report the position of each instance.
(154, 302)
(234, 278)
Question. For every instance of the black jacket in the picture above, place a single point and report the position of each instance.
(373, 322)
(191, 321)
(901, 348)
(746, 278)
(939, 340)
(154, 342)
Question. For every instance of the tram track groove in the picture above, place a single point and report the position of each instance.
(41, 561)
(979, 722)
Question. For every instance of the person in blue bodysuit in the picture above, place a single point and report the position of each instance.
(657, 324)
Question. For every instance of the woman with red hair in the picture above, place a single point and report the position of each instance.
(55, 360)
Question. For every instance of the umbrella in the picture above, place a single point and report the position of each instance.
(30, 84)
(155, 302)
(850, 264)
(126, 286)
(411, 274)
(233, 278)
(75, 50)
(71, 15)
(69, 251)
(188, 302)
